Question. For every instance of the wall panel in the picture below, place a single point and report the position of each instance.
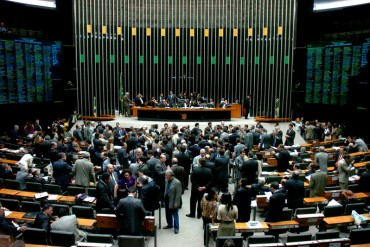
(218, 48)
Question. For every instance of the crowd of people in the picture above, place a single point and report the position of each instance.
(137, 170)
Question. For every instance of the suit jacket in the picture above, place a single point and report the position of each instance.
(343, 169)
(276, 205)
(179, 173)
(42, 221)
(83, 171)
(364, 182)
(122, 158)
(295, 193)
(78, 134)
(283, 159)
(221, 168)
(242, 199)
(131, 213)
(7, 226)
(21, 178)
(318, 183)
(113, 182)
(289, 141)
(174, 194)
(137, 102)
(184, 161)
(266, 141)
(149, 195)
(68, 223)
(249, 170)
(104, 198)
(201, 177)
(172, 99)
(61, 170)
(322, 158)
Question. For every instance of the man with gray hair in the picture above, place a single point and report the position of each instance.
(322, 158)
(83, 171)
(173, 192)
(202, 153)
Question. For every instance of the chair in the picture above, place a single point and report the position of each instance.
(327, 235)
(299, 237)
(52, 189)
(137, 241)
(332, 188)
(261, 239)
(15, 169)
(30, 206)
(302, 177)
(83, 212)
(309, 210)
(360, 236)
(237, 240)
(91, 192)
(11, 204)
(330, 211)
(99, 238)
(273, 179)
(366, 157)
(358, 207)
(11, 184)
(62, 238)
(34, 187)
(287, 214)
(354, 188)
(74, 190)
(56, 208)
(35, 236)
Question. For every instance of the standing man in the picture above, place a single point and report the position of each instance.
(172, 99)
(179, 173)
(104, 198)
(322, 158)
(172, 201)
(61, 170)
(201, 180)
(283, 158)
(249, 169)
(317, 181)
(364, 182)
(83, 171)
(344, 166)
(221, 171)
(126, 104)
(289, 136)
(247, 105)
(295, 191)
(184, 161)
(131, 213)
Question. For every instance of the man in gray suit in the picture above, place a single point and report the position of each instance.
(344, 166)
(83, 171)
(173, 194)
(317, 181)
(322, 158)
(131, 213)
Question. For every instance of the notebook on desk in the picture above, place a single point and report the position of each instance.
(30, 215)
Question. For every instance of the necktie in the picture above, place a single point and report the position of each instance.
(113, 178)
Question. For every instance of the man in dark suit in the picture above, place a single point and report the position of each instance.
(246, 105)
(172, 99)
(179, 173)
(122, 157)
(221, 171)
(61, 170)
(104, 198)
(43, 218)
(295, 191)
(201, 180)
(364, 182)
(114, 178)
(131, 213)
(266, 140)
(7, 226)
(283, 158)
(289, 136)
(139, 100)
(249, 169)
(149, 194)
(184, 160)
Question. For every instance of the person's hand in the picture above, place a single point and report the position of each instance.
(22, 228)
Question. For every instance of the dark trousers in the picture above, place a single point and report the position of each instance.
(223, 185)
(195, 199)
(206, 221)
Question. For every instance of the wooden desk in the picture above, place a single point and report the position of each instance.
(358, 196)
(342, 220)
(334, 194)
(9, 162)
(8, 192)
(360, 164)
(358, 153)
(322, 243)
(309, 219)
(27, 194)
(315, 200)
(39, 245)
(107, 221)
(199, 114)
(266, 245)
(262, 201)
(286, 224)
(67, 200)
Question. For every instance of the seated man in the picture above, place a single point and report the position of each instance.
(43, 218)
(8, 226)
(67, 223)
